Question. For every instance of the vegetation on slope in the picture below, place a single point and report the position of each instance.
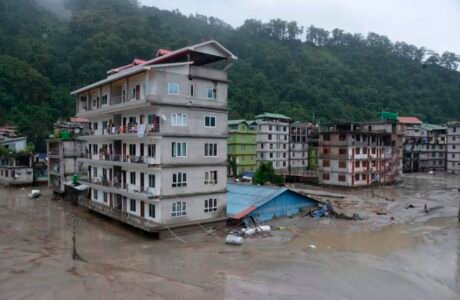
(304, 73)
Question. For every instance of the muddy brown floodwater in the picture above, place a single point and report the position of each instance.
(405, 254)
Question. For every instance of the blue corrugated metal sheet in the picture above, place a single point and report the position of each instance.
(264, 202)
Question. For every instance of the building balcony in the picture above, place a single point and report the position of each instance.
(125, 189)
(119, 215)
(117, 159)
(117, 132)
(116, 104)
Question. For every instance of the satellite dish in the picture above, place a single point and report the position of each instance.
(163, 117)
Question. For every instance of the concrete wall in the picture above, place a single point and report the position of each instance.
(16, 176)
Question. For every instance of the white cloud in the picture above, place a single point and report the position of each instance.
(429, 23)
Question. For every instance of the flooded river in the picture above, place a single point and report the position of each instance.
(406, 254)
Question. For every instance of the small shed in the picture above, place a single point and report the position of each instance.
(264, 202)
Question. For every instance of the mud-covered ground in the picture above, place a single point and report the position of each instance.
(399, 254)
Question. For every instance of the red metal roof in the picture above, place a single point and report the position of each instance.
(136, 61)
(79, 120)
(409, 120)
(162, 52)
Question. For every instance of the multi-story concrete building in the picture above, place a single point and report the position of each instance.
(359, 154)
(15, 161)
(63, 151)
(273, 140)
(298, 158)
(453, 147)
(424, 147)
(434, 149)
(157, 151)
(313, 145)
(414, 137)
(241, 147)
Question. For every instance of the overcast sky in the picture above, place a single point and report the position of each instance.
(434, 24)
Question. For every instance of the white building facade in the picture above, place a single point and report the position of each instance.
(157, 148)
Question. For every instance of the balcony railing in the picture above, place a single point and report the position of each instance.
(118, 214)
(121, 158)
(131, 129)
(127, 187)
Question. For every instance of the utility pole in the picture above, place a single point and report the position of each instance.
(75, 255)
(459, 207)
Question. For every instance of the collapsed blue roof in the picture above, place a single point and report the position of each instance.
(242, 199)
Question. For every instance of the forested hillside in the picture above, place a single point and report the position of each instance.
(282, 67)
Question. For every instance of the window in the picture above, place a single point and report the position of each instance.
(326, 137)
(211, 93)
(209, 121)
(132, 177)
(104, 100)
(210, 149)
(342, 164)
(373, 150)
(151, 150)
(152, 211)
(179, 179)
(132, 205)
(342, 137)
(179, 209)
(132, 149)
(151, 181)
(326, 176)
(179, 119)
(192, 90)
(342, 151)
(179, 149)
(363, 177)
(151, 119)
(269, 137)
(326, 163)
(173, 88)
(95, 194)
(210, 177)
(105, 197)
(342, 178)
(357, 177)
(210, 205)
(95, 172)
(358, 164)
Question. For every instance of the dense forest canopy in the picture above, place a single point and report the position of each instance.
(304, 72)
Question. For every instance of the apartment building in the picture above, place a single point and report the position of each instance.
(313, 147)
(157, 147)
(453, 147)
(15, 161)
(241, 147)
(273, 140)
(360, 154)
(425, 147)
(298, 158)
(63, 151)
(434, 148)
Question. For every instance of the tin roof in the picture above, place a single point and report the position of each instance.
(242, 199)
(409, 120)
(273, 116)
